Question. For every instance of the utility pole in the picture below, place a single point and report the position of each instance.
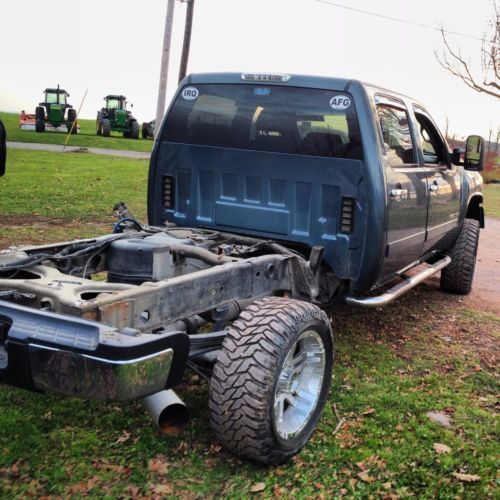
(187, 39)
(165, 57)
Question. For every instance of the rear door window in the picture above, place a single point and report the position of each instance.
(266, 118)
(395, 127)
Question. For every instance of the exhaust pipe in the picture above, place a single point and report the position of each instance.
(168, 411)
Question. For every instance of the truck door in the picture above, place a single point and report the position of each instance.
(443, 181)
(406, 187)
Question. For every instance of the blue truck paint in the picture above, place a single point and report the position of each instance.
(295, 198)
(272, 195)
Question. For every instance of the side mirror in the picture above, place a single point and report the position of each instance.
(456, 156)
(3, 148)
(474, 153)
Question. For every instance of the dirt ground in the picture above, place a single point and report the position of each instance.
(485, 294)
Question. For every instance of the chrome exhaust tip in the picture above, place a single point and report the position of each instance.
(168, 411)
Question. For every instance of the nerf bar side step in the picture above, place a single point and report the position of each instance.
(399, 289)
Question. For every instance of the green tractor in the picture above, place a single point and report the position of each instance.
(53, 111)
(115, 117)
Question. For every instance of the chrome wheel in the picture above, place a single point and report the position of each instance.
(299, 385)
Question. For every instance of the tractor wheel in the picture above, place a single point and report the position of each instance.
(71, 120)
(271, 379)
(457, 276)
(40, 113)
(106, 127)
(40, 125)
(134, 129)
(98, 123)
(40, 119)
(145, 132)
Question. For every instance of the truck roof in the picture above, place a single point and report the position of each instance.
(307, 81)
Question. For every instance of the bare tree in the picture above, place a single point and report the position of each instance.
(455, 63)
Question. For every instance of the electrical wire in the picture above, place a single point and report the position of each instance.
(397, 19)
(69, 252)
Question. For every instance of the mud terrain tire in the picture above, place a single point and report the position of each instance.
(457, 276)
(247, 395)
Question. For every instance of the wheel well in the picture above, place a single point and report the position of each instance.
(475, 210)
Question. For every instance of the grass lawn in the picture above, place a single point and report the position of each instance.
(70, 185)
(492, 199)
(388, 375)
(86, 138)
(426, 353)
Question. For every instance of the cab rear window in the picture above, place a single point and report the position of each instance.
(266, 118)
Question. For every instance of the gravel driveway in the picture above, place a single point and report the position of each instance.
(60, 149)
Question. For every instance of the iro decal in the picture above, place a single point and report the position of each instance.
(190, 93)
(340, 102)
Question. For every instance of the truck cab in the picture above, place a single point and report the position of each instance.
(360, 170)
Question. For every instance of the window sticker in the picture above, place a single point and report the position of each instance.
(190, 93)
(340, 102)
(262, 91)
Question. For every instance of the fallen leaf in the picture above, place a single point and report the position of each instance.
(278, 491)
(92, 482)
(171, 430)
(77, 488)
(466, 478)
(377, 462)
(365, 476)
(162, 489)
(441, 448)
(369, 411)
(123, 438)
(158, 465)
(440, 418)
(133, 491)
(399, 427)
(387, 486)
(361, 465)
(258, 487)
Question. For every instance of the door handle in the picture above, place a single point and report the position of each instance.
(398, 193)
(434, 188)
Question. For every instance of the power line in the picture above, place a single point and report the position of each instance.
(397, 19)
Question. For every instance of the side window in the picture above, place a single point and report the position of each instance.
(396, 134)
(433, 148)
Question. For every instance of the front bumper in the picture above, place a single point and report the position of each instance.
(46, 351)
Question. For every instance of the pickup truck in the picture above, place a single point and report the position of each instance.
(270, 198)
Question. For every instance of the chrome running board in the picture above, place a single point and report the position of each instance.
(399, 289)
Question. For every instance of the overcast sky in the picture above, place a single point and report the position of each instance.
(114, 46)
